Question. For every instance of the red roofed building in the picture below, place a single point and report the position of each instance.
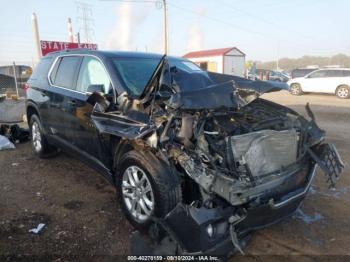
(229, 60)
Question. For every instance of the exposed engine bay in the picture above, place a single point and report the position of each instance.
(237, 155)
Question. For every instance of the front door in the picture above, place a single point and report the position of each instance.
(315, 82)
(84, 132)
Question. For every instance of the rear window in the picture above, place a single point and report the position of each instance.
(318, 74)
(66, 72)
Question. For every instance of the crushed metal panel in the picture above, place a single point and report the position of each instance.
(112, 123)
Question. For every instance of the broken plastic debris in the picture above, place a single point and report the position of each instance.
(37, 229)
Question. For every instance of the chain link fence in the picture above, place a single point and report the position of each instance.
(13, 78)
(12, 81)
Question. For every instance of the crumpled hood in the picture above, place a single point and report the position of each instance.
(222, 91)
(260, 87)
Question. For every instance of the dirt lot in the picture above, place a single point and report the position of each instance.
(82, 216)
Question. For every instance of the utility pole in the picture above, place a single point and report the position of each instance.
(78, 37)
(36, 36)
(165, 27)
(85, 18)
(15, 77)
(70, 30)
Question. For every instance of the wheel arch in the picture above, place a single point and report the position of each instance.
(124, 146)
(120, 147)
(32, 109)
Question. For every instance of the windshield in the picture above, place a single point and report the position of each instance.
(135, 73)
(187, 76)
(185, 65)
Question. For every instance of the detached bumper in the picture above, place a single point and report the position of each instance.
(221, 231)
(189, 226)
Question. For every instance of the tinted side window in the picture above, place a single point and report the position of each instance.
(346, 72)
(318, 74)
(334, 73)
(66, 72)
(92, 72)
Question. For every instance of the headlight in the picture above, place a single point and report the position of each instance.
(210, 230)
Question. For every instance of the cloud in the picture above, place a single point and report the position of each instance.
(125, 29)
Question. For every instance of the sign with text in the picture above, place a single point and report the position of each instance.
(53, 46)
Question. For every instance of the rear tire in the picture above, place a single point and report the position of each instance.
(295, 89)
(157, 194)
(343, 92)
(40, 145)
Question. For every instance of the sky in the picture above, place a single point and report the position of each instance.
(263, 29)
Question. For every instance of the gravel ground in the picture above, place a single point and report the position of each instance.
(83, 218)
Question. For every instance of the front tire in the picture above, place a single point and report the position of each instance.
(40, 145)
(295, 89)
(146, 188)
(343, 92)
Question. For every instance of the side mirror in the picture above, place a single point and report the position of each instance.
(95, 89)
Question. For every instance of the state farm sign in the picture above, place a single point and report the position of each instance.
(52, 46)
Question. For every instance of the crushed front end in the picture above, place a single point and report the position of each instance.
(243, 168)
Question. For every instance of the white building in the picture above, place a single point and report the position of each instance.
(229, 60)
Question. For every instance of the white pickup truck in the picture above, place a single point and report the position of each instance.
(333, 81)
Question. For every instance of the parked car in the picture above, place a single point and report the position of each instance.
(333, 81)
(252, 76)
(271, 75)
(301, 72)
(196, 157)
(278, 76)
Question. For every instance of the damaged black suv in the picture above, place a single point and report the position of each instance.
(196, 157)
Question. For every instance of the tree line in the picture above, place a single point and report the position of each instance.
(302, 62)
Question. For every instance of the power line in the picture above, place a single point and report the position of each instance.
(246, 30)
(218, 20)
(85, 18)
(261, 19)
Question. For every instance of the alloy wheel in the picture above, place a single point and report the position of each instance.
(36, 137)
(137, 193)
(343, 92)
(295, 89)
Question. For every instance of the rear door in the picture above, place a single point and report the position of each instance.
(63, 77)
(333, 80)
